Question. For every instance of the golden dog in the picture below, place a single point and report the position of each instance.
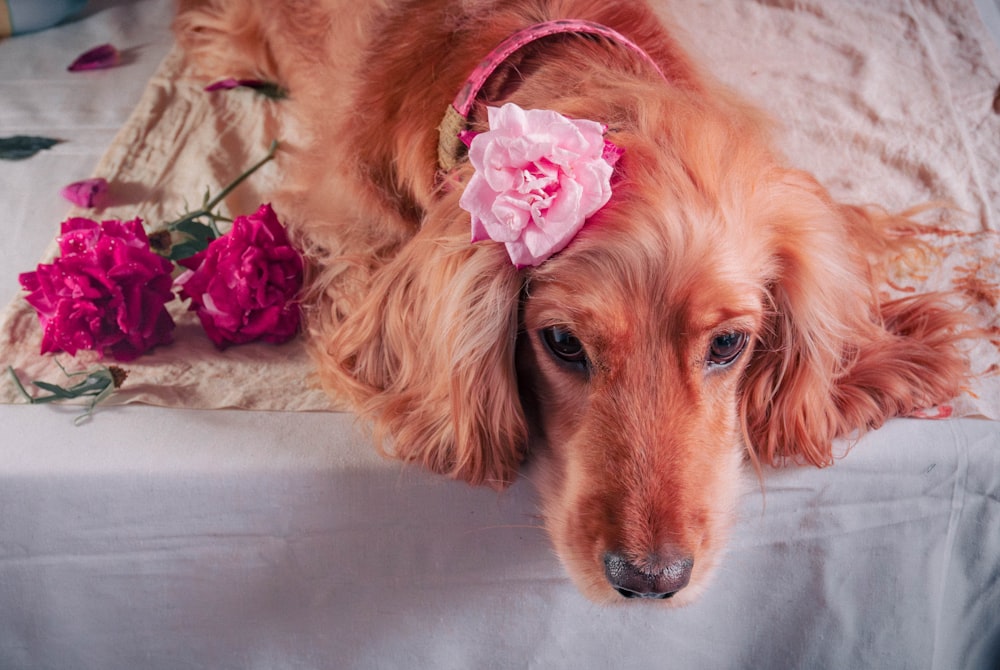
(719, 306)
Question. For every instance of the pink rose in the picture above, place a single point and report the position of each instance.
(245, 284)
(106, 291)
(539, 175)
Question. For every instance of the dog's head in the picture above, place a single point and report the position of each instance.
(705, 307)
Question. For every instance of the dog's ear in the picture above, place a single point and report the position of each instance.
(835, 358)
(427, 353)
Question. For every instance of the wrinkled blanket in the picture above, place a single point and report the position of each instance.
(891, 105)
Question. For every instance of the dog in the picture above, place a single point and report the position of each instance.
(709, 307)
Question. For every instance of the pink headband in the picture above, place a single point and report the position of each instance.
(456, 117)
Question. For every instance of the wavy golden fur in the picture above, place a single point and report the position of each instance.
(710, 245)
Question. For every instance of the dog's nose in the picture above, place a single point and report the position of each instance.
(661, 579)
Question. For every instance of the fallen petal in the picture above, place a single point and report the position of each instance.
(266, 88)
(99, 57)
(223, 85)
(87, 193)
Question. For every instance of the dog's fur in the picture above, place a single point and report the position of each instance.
(638, 451)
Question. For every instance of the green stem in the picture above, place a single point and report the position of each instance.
(239, 180)
(20, 386)
(206, 210)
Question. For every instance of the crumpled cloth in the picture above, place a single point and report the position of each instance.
(899, 123)
(179, 141)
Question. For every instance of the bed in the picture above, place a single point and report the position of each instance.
(220, 512)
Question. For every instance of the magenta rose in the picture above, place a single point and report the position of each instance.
(244, 286)
(105, 292)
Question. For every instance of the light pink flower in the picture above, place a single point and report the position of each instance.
(244, 286)
(539, 175)
(106, 291)
(87, 193)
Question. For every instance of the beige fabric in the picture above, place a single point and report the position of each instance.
(179, 141)
(899, 126)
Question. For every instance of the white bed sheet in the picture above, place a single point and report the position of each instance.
(159, 538)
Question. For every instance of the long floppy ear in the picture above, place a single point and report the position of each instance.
(834, 358)
(428, 355)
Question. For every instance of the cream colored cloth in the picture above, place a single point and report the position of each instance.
(898, 123)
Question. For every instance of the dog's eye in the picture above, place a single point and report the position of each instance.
(726, 348)
(564, 345)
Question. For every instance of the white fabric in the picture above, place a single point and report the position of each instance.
(166, 538)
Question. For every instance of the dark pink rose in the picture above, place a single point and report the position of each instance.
(106, 291)
(244, 286)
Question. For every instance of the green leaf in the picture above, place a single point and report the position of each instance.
(198, 235)
(184, 250)
(95, 382)
(98, 384)
(20, 147)
(57, 391)
(196, 230)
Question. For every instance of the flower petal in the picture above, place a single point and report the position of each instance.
(87, 193)
(98, 58)
(268, 89)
